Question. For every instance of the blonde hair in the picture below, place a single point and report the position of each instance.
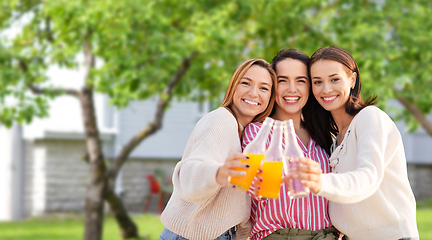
(235, 80)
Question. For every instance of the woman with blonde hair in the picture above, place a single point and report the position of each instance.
(204, 205)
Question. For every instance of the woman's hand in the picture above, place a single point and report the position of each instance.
(227, 170)
(308, 171)
(256, 184)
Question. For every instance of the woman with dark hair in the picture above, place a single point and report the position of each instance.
(368, 189)
(204, 206)
(302, 218)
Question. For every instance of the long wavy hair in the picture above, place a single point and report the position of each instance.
(235, 80)
(355, 102)
(311, 109)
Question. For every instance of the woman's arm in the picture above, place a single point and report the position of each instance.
(371, 132)
(214, 150)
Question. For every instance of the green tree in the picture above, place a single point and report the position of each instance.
(138, 49)
(390, 41)
(132, 50)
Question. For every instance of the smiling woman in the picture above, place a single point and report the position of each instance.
(370, 196)
(204, 205)
(252, 94)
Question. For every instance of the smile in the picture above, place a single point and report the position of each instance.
(291, 99)
(329, 99)
(251, 102)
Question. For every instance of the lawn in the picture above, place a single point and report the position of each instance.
(70, 227)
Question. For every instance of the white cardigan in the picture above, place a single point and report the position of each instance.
(370, 196)
(199, 207)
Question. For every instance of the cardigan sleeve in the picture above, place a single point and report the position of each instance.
(371, 133)
(214, 140)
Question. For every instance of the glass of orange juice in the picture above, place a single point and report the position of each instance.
(273, 164)
(272, 179)
(255, 151)
(244, 182)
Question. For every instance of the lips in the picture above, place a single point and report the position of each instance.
(291, 99)
(329, 99)
(250, 102)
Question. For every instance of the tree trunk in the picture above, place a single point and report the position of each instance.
(415, 111)
(127, 226)
(97, 182)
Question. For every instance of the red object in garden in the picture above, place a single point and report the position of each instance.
(158, 187)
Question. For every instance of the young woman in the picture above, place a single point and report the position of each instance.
(203, 204)
(302, 218)
(370, 196)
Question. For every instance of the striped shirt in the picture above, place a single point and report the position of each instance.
(308, 213)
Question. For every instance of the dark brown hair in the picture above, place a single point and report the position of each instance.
(355, 102)
(311, 109)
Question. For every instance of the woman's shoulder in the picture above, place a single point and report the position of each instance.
(252, 128)
(220, 117)
(219, 113)
(372, 117)
(372, 112)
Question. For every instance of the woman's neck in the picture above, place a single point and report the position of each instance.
(341, 118)
(282, 116)
(296, 118)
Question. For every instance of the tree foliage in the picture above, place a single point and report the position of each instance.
(138, 49)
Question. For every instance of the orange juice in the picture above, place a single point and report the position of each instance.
(254, 162)
(272, 179)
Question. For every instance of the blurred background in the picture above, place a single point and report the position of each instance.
(104, 94)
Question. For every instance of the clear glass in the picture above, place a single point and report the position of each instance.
(293, 150)
(255, 151)
(272, 164)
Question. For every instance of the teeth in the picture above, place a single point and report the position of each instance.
(250, 102)
(291, 99)
(329, 98)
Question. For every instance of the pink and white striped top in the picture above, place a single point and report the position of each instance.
(308, 213)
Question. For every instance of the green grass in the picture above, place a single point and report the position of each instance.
(71, 227)
(424, 218)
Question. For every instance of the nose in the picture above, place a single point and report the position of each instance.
(327, 88)
(253, 91)
(291, 87)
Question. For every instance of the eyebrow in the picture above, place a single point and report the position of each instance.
(250, 79)
(285, 77)
(331, 75)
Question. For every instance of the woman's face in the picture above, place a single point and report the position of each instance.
(331, 85)
(252, 94)
(293, 87)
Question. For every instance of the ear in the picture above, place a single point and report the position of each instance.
(353, 79)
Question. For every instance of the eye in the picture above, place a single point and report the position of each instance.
(317, 82)
(335, 79)
(245, 83)
(301, 81)
(281, 80)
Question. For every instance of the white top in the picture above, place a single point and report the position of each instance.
(370, 196)
(199, 207)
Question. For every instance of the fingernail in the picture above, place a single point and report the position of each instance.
(259, 189)
(261, 180)
(243, 173)
(247, 166)
(260, 171)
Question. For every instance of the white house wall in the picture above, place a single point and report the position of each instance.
(168, 142)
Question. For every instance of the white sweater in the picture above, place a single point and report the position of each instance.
(370, 196)
(199, 207)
